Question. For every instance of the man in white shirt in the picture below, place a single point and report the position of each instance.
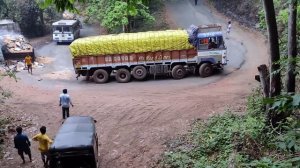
(228, 27)
(64, 102)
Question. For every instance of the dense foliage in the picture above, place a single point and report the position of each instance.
(61, 5)
(120, 15)
(11, 73)
(281, 7)
(33, 21)
(232, 140)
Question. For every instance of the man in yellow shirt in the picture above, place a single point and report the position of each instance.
(28, 63)
(44, 144)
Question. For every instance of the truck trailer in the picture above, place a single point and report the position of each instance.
(13, 45)
(17, 48)
(198, 50)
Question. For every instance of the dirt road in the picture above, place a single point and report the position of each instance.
(137, 118)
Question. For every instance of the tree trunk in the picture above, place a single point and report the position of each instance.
(264, 79)
(126, 27)
(292, 47)
(42, 21)
(275, 82)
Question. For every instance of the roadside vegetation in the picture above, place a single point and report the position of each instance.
(232, 140)
(3, 123)
(4, 94)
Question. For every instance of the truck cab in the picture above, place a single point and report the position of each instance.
(211, 46)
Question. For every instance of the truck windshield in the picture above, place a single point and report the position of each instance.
(211, 43)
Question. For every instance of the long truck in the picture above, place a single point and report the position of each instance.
(167, 54)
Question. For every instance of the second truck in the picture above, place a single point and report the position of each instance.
(199, 50)
(13, 45)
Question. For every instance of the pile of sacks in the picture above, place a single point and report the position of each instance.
(126, 43)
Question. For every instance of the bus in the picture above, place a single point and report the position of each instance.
(66, 30)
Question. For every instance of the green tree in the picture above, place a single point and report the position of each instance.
(121, 14)
(61, 5)
(30, 21)
(3, 8)
(275, 81)
(9, 10)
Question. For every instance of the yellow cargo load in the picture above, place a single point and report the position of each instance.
(126, 43)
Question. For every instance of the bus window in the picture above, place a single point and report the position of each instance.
(59, 29)
(66, 29)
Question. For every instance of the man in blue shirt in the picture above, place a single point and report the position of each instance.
(64, 102)
(22, 143)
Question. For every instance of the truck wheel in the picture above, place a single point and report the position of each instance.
(123, 75)
(100, 76)
(139, 72)
(205, 70)
(178, 72)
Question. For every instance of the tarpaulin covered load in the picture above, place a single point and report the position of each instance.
(126, 43)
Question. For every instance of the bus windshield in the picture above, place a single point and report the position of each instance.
(62, 29)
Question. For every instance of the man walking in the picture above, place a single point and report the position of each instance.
(64, 102)
(28, 63)
(228, 29)
(22, 143)
(196, 2)
(44, 144)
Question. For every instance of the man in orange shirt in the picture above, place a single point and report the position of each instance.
(44, 144)
(28, 63)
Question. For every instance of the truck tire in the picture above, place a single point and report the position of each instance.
(123, 75)
(100, 76)
(139, 72)
(205, 70)
(178, 72)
